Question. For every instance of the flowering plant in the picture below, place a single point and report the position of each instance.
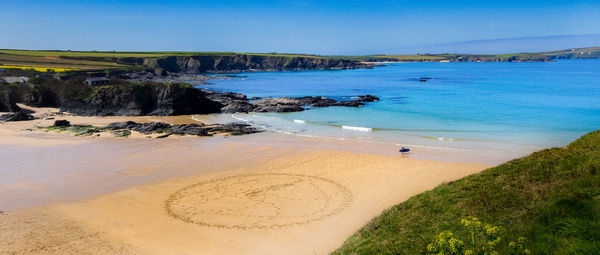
(484, 238)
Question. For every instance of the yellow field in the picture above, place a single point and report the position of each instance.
(40, 69)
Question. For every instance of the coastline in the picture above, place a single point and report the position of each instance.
(122, 185)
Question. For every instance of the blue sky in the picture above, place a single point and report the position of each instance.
(321, 27)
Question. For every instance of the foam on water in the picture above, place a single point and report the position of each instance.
(362, 129)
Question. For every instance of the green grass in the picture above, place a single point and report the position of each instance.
(140, 54)
(552, 197)
(414, 57)
(108, 60)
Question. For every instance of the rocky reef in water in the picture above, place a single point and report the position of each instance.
(235, 102)
(151, 98)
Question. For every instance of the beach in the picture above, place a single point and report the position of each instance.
(264, 193)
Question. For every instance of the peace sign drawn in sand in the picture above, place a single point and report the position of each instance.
(259, 201)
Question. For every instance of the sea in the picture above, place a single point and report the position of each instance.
(520, 107)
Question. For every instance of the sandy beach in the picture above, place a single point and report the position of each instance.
(257, 194)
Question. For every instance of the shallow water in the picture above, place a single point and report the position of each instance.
(464, 106)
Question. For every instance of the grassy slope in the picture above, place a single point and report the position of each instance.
(591, 52)
(437, 57)
(552, 197)
(396, 57)
(102, 59)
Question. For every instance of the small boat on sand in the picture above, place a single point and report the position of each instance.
(404, 150)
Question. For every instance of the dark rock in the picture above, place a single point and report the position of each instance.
(242, 62)
(163, 136)
(230, 102)
(354, 103)
(122, 125)
(152, 127)
(281, 104)
(294, 104)
(189, 129)
(184, 129)
(18, 116)
(234, 129)
(238, 107)
(62, 123)
(142, 99)
(368, 98)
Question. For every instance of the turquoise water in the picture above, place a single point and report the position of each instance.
(529, 104)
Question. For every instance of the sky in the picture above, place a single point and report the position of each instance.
(301, 26)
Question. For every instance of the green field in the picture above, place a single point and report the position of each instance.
(551, 197)
(103, 60)
(576, 53)
(141, 54)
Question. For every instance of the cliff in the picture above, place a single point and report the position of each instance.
(245, 62)
(226, 62)
(141, 99)
(577, 53)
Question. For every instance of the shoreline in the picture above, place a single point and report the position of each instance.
(121, 211)
(137, 195)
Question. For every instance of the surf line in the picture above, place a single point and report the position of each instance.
(362, 129)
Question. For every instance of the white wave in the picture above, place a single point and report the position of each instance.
(362, 129)
(299, 121)
(240, 119)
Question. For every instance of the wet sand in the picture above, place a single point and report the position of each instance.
(255, 194)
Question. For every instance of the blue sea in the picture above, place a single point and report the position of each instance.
(464, 105)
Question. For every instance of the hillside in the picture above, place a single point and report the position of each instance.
(577, 53)
(228, 62)
(517, 57)
(551, 197)
(189, 62)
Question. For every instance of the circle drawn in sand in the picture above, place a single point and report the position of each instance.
(259, 201)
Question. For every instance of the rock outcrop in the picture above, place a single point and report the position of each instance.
(296, 104)
(184, 129)
(17, 116)
(245, 62)
(142, 99)
(152, 98)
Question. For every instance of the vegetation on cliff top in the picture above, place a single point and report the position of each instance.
(104, 60)
(108, 60)
(576, 53)
(551, 197)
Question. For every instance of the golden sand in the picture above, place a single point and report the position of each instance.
(189, 195)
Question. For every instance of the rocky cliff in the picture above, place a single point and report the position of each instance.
(243, 62)
(122, 98)
(141, 99)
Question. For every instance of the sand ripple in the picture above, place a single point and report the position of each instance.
(259, 201)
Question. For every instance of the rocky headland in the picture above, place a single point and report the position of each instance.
(125, 98)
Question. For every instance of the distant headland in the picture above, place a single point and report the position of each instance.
(164, 63)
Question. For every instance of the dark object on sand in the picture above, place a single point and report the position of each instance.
(18, 116)
(404, 150)
(62, 123)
